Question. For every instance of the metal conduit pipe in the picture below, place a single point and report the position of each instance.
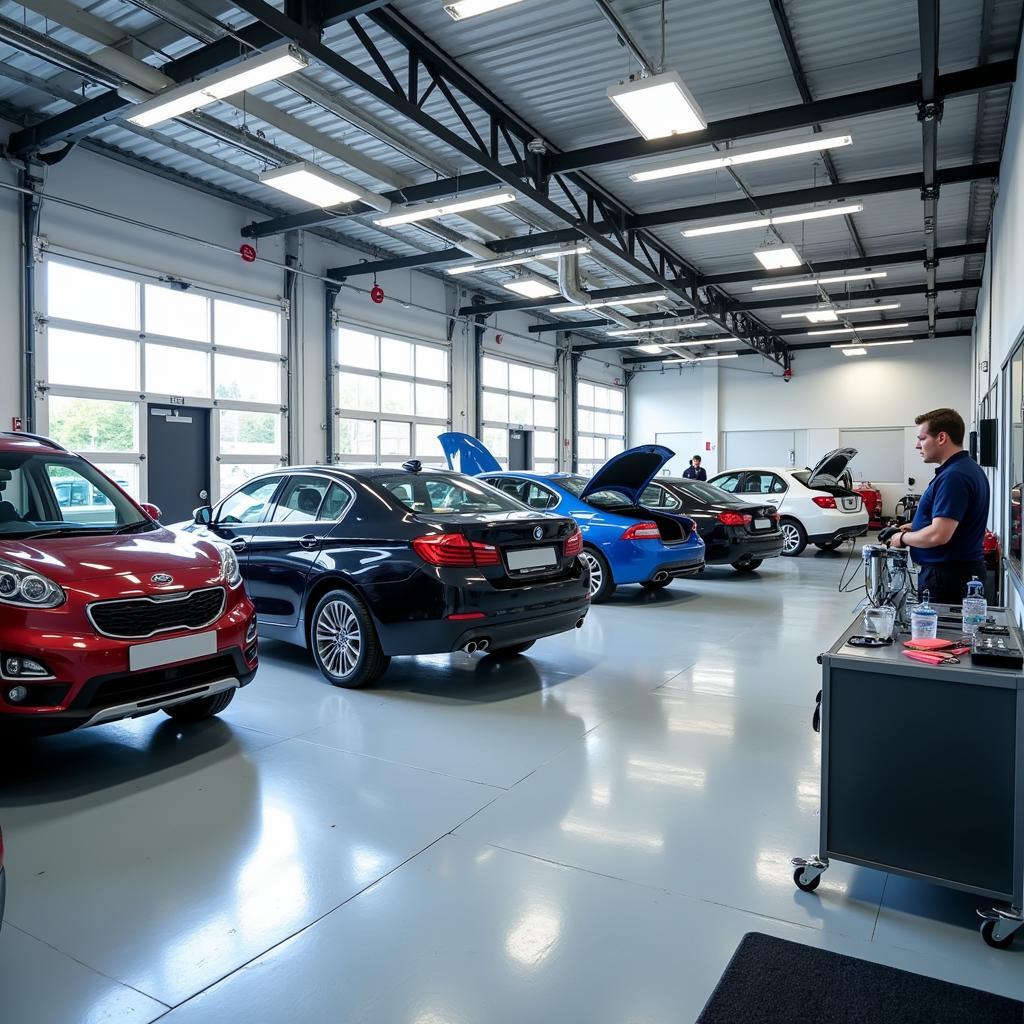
(572, 290)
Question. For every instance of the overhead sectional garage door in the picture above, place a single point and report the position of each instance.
(600, 424)
(113, 344)
(520, 395)
(392, 398)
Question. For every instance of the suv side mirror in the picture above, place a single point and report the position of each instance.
(203, 515)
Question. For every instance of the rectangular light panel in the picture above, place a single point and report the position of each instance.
(704, 359)
(471, 8)
(744, 155)
(427, 211)
(311, 184)
(530, 288)
(247, 74)
(815, 281)
(658, 106)
(784, 218)
(777, 257)
(855, 351)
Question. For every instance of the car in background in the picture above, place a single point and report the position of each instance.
(735, 531)
(3, 881)
(360, 564)
(111, 618)
(813, 507)
(622, 542)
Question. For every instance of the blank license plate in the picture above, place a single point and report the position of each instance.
(762, 524)
(532, 558)
(167, 652)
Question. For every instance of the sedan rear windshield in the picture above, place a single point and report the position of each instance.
(59, 495)
(446, 495)
(708, 492)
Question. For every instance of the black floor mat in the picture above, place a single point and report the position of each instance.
(772, 981)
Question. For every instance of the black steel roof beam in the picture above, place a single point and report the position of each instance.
(948, 252)
(755, 334)
(929, 113)
(425, 259)
(84, 119)
(801, 115)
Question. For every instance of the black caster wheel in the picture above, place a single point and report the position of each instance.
(988, 933)
(798, 878)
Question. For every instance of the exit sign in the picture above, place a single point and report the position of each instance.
(176, 400)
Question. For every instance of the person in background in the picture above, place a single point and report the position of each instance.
(948, 530)
(694, 471)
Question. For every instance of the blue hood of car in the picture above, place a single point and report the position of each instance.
(465, 454)
(630, 472)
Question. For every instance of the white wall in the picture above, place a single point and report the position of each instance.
(416, 305)
(829, 392)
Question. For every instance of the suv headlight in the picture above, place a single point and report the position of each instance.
(27, 589)
(230, 572)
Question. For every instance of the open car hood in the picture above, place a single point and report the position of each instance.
(629, 472)
(831, 467)
(465, 454)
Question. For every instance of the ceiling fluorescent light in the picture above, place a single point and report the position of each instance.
(427, 211)
(827, 315)
(704, 359)
(311, 184)
(658, 106)
(651, 350)
(855, 351)
(463, 9)
(246, 74)
(639, 301)
(702, 341)
(775, 257)
(815, 281)
(661, 327)
(764, 222)
(515, 261)
(744, 155)
(858, 330)
(872, 344)
(530, 287)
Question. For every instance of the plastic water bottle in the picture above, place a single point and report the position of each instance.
(924, 620)
(975, 607)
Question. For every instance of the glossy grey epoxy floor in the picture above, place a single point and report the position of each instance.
(581, 835)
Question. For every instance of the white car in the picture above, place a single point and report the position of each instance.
(814, 507)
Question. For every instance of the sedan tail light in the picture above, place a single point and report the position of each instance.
(735, 518)
(824, 501)
(454, 549)
(642, 531)
(573, 544)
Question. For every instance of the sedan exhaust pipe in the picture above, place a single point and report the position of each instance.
(470, 648)
(579, 623)
(658, 577)
(482, 645)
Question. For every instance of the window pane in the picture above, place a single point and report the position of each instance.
(585, 421)
(495, 407)
(520, 378)
(248, 504)
(233, 474)
(431, 401)
(599, 449)
(544, 413)
(495, 373)
(585, 447)
(75, 293)
(616, 399)
(394, 438)
(357, 349)
(250, 433)
(427, 445)
(520, 410)
(86, 424)
(616, 424)
(601, 423)
(124, 474)
(544, 382)
(253, 327)
(396, 396)
(357, 391)
(614, 446)
(356, 437)
(544, 467)
(431, 362)
(586, 393)
(544, 445)
(300, 500)
(89, 361)
(396, 357)
(338, 499)
(177, 371)
(177, 314)
(247, 380)
(496, 441)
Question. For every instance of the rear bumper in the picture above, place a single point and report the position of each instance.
(640, 561)
(737, 548)
(843, 533)
(678, 570)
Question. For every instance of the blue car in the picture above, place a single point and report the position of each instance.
(622, 542)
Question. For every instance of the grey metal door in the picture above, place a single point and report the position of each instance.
(178, 460)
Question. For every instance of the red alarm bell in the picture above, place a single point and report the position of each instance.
(247, 252)
(377, 294)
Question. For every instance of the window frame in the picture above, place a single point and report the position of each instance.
(592, 463)
(508, 392)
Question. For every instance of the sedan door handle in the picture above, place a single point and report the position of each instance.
(309, 542)
(238, 544)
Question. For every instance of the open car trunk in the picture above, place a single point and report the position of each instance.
(673, 529)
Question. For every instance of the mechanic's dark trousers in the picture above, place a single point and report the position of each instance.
(947, 583)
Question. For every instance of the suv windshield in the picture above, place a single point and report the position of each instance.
(445, 495)
(58, 494)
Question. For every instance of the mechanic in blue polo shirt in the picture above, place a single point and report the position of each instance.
(948, 530)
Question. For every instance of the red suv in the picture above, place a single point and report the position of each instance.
(104, 614)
